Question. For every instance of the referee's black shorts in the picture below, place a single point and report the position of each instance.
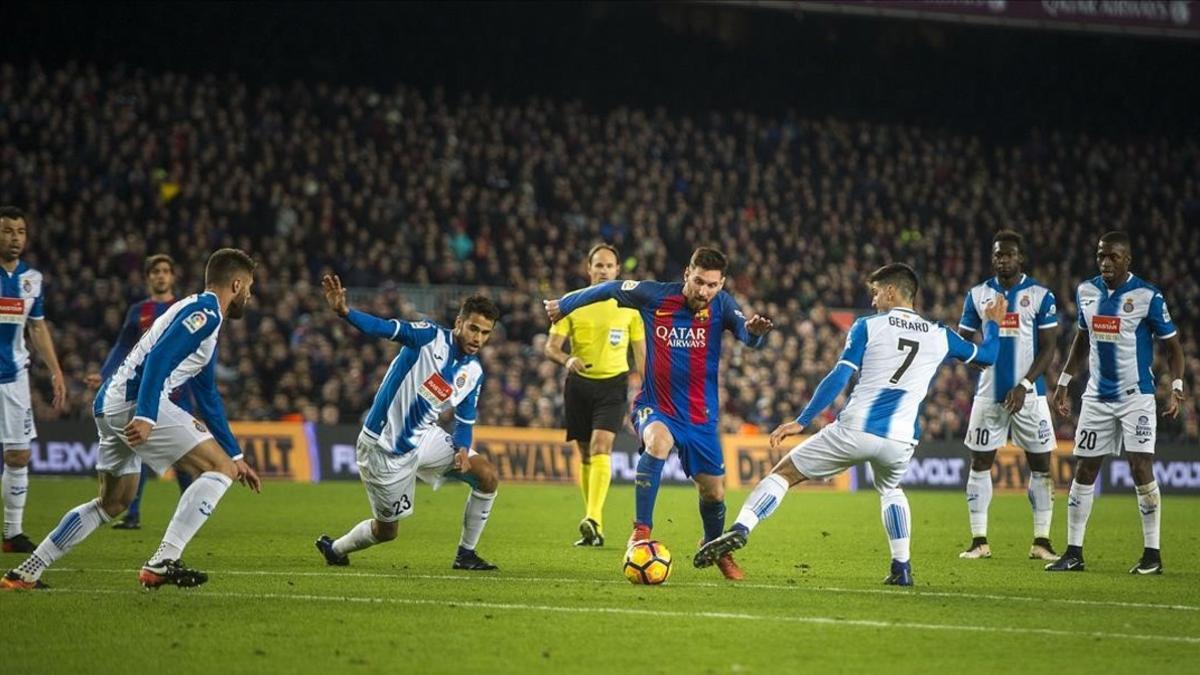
(594, 404)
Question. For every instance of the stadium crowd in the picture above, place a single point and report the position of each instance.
(411, 187)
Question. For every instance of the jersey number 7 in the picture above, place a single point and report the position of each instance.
(914, 347)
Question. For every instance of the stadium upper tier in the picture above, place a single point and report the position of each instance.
(414, 187)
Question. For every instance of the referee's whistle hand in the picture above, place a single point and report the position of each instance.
(552, 310)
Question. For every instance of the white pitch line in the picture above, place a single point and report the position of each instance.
(738, 616)
(685, 584)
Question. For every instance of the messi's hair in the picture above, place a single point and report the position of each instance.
(709, 258)
(148, 266)
(602, 247)
(226, 262)
(481, 305)
(899, 275)
(1011, 237)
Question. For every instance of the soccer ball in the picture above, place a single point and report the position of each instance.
(647, 562)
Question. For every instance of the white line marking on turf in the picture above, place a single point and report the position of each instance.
(686, 584)
(819, 620)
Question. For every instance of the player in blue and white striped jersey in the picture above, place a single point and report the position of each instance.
(896, 354)
(437, 369)
(1119, 317)
(1011, 396)
(138, 422)
(22, 299)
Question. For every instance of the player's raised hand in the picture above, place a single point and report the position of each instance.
(247, 476)
(783, 431)
(1062, 401)
(996, 310)
(137, 432)
(335, 294)
(759, 325)
(552, 310)
(1174, 404)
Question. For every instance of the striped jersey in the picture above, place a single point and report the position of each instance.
(21, 299)
(897, 355)
(179, 348)
(683, 348)
(138, 319)
(430, 375)
(1120, 325)
(1031, 308)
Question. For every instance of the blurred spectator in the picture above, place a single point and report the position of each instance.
(401, 187)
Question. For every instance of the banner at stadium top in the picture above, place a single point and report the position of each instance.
(310, 452)
(1168, 18)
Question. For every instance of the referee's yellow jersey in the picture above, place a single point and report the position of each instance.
(600, 334)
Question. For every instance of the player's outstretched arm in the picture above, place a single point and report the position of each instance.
(632, 294)
(985, 352)
(392, 329)
(827, 392)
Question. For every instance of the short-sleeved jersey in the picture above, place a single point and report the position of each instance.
(431, 374)
(138, 319)
(21, 299)
(683, 348)
(1031, 308)
(897, 355)
(1120, 326)
(180, 347)
(600, 334)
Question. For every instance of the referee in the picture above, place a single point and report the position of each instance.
(601, 336)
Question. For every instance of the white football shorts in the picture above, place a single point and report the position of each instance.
(1103, 425)
(390, 479)
(174, 435)
(17, 429)
(1031, 427)
(834, 449)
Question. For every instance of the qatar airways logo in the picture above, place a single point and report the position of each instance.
(683, 338)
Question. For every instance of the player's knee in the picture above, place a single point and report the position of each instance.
(982, 461)
(601, 446)
(17, 459)
(1039, 462)
(487, 479)
(1086, 472)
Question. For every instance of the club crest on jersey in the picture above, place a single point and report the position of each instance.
(436, 390)
(1128, 305)
(1025, 301)
(460, 381)
(615, 335)
(681, 337)
(702, 315)
(195, 321)
(27, 286)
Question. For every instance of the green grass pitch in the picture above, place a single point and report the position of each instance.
(812, 599)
